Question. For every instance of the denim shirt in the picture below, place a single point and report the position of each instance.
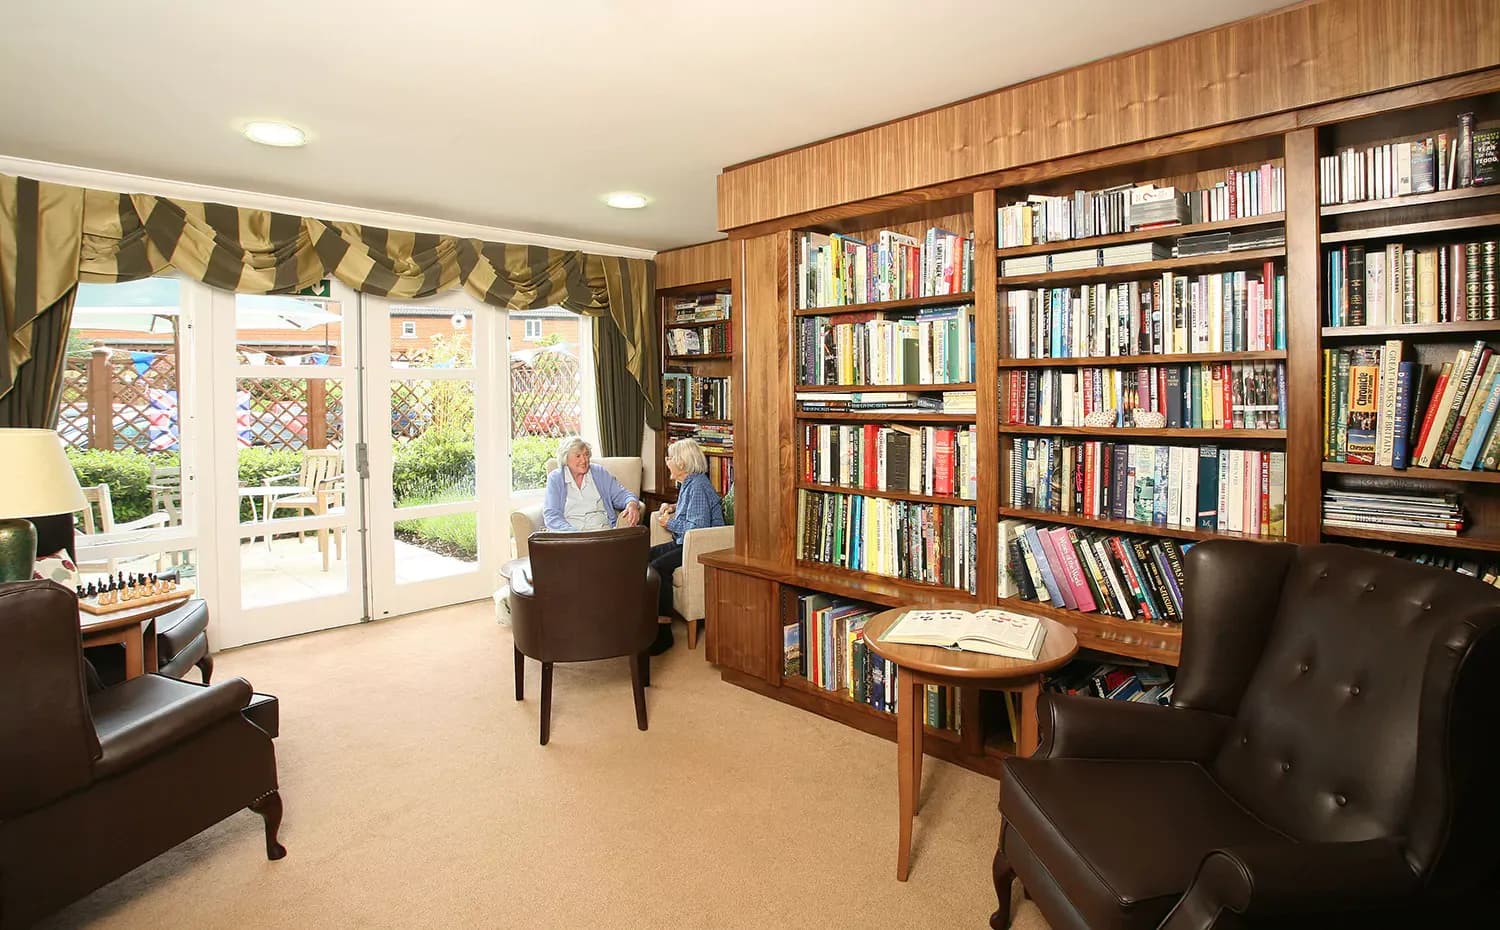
(698, 506)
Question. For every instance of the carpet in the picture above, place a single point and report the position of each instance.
(417, 796)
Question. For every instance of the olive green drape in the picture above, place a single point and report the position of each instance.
(621, 402)
(97, 236)
(36, 389)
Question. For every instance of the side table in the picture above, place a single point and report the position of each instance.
(919, 666)
(133, 627)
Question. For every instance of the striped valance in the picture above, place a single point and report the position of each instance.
(53, 236)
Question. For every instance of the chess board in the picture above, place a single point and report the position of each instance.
(91, 605)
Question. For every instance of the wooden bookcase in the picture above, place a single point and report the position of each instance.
(702, 364)
(747, 589)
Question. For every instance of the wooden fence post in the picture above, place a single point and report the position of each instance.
(101, 397)
(317, 413)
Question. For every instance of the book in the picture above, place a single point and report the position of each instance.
(991, 631)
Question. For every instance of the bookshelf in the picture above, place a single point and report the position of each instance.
(1293, 237)
(697, 364)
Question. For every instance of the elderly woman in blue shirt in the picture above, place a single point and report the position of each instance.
(697, 506)
(582, 496)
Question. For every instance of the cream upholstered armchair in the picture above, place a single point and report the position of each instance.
(627, 470)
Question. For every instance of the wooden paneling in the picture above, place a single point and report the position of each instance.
(693, 264)
(764, 490)
(1304, 444)
(1295, 57)
(742, 611)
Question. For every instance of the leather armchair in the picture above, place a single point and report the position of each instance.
(1329, 758)
(96, 782)
(589, 596)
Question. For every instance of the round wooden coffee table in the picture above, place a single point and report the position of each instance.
(919, 666)
(132, 627)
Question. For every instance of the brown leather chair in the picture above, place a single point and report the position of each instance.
(588, 596)
(93, 784)
(1329, 759)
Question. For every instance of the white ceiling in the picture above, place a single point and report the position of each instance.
(520, 114)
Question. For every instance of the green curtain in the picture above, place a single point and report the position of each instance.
(36, 388)
(54, 236)
(622, 405)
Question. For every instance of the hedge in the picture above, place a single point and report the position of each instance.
(126, 473)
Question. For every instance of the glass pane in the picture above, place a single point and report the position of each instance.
(184, 562)
(278, 329)
(428, 336)
(291, 435)
(119, 413)
(432, 429)
(436, 547)
(287, 567)
(546, 383)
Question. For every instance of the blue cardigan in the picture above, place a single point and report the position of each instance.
(614, 495)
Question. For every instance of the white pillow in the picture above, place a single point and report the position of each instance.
(57, 567)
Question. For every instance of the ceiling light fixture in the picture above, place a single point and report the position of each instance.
(267, 132)
(626, 200)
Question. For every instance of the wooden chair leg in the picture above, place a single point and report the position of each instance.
(206, 666)
(323, 546)
(636, 685)
(1004, 875)
(546, 702)
(692, 626)
(269, 809)
(520, 676)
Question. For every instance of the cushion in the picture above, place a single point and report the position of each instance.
(57, 567)
(1122, 838)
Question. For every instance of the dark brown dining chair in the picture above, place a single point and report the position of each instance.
(1329, 759)
(587, 596)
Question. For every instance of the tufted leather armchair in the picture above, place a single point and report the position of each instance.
(1329, 759)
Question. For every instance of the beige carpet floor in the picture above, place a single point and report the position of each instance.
(417, 796)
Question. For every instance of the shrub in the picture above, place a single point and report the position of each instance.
(127, 473)
(434, 463)
(528, 457)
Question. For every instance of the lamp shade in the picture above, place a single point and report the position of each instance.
(38, 479)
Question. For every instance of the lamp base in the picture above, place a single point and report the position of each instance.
(17, 550)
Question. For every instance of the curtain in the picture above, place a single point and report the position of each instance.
(54, 236)
(36, 388)
(621, 401)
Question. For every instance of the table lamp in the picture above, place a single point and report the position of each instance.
(39, 482)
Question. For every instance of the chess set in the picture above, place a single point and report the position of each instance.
(125, 592)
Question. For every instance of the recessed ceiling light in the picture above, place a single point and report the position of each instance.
(267, 132)
(626, 200)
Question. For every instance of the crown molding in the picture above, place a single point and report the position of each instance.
(140, 184)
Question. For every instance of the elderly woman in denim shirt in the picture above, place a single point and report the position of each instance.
(697, 506)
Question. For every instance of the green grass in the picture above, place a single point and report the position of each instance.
(453, 534)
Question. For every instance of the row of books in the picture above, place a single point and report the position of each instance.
(873, 402)
(928, 543)
(711, 438)
(1447, 160)
(1427, 514)
(1183, 487)
(712, 338)
(1215, 395)
(1131, 577)
(697, 396)
(1146, 683)
(835, 270)
(1486, 571)
(936, 346)
(1384, 409)
(705, 308)
(1044, 218)
(1409, 284)
(931, 460)
(1233, 311)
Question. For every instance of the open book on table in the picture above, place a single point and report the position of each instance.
(993, 631)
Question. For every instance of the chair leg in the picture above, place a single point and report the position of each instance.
(520, 676)
(269, 808)
(323, 546)
(546, 702)
(1004, 875)
(692, 626)
(206, 666)
(646, 669)
(637, 685)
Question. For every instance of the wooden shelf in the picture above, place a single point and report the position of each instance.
(1410, 200)
(912, 303)
(726, 453)
(1408, 330)
(881, 388)
(1426, 474)
(1248, 435)
(699, 422)
(1412, 229)
(1176, 358)
(907, 416)
(1208, 262)
(903, 588)
(1477, 539)
(1128, 526)
(700, 356)
(1137, 639)
(1141, 235)
(888, 495)
(843, 698)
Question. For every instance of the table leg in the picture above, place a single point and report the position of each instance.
(134, 660)
(1029, 692)
(265, 509)
(918, 697)
(148, 644)
(908, 765)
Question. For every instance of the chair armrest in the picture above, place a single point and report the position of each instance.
(1078, 727)
(275, 478)
(1293, 878)
(155, 518)
(659, 533)
(153, 716)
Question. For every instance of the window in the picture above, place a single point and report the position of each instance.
(533, 330)
(551, 394)
(408, 329)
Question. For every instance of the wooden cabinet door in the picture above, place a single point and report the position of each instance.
(741, 619)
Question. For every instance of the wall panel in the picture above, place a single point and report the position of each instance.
(693, 264)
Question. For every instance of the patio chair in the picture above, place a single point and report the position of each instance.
(322, 473)
(166, 492)
(98, 496)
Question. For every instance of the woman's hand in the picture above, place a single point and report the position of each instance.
(631, 515)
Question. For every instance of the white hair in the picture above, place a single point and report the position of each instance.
(572, 444)
(686, 455)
